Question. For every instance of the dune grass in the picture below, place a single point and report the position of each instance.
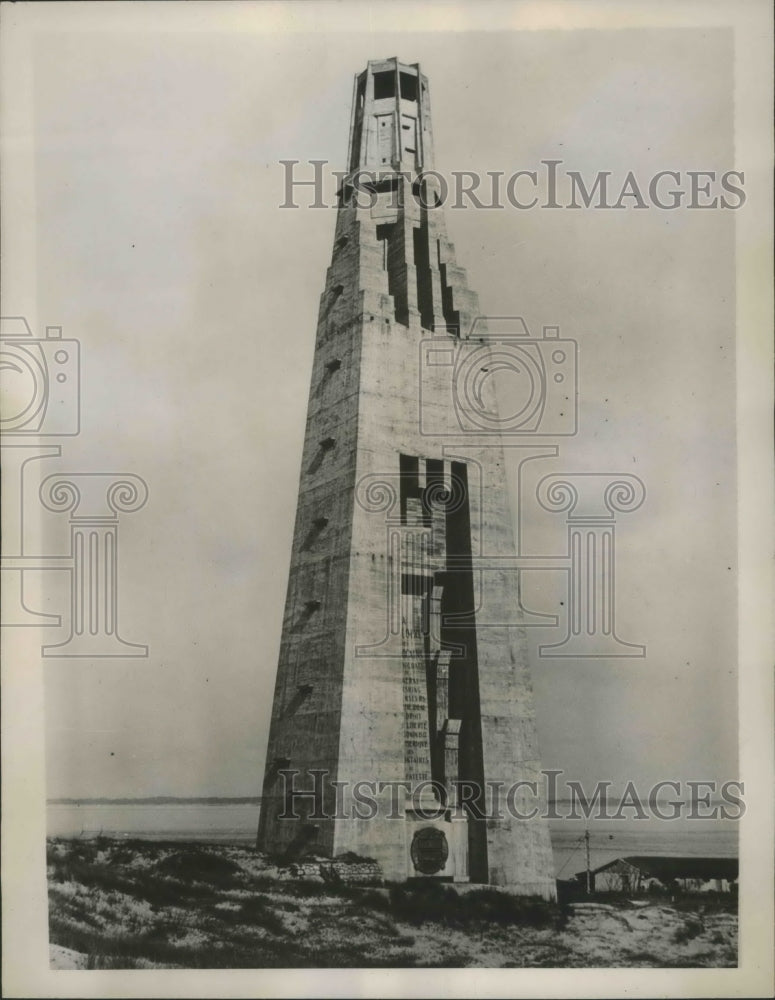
(145, 904)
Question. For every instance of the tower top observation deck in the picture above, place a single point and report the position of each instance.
(390, 128)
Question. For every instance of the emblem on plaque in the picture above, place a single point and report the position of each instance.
(430, 850)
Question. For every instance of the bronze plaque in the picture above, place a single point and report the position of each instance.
(429, 850)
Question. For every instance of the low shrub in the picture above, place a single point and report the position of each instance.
(436, 903)
(255, 911)
(199, 866)
(690, 929)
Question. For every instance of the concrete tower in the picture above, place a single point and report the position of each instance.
(400, 663)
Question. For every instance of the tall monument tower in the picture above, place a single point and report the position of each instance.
(401, 667)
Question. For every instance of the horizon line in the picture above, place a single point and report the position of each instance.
(248, 800)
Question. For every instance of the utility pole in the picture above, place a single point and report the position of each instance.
(589, 872)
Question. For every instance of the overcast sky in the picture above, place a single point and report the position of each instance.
(160, 245)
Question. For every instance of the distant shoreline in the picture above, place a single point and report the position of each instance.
(163, 800)
(241, 800)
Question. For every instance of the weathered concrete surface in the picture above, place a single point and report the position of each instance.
(392, 291)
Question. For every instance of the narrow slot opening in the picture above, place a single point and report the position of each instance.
(451, 316)
(409, 469)
(392, 262)
(422, 267)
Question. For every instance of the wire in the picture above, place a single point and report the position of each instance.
(570, 857)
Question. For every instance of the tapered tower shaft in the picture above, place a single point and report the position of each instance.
(400, 663)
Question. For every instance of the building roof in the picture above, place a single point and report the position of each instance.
(666, 868)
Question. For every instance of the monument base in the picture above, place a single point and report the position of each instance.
(436, 843)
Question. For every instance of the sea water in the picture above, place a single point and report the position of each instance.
(238, 823)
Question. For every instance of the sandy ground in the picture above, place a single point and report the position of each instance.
(66, 958)
(150, 905)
